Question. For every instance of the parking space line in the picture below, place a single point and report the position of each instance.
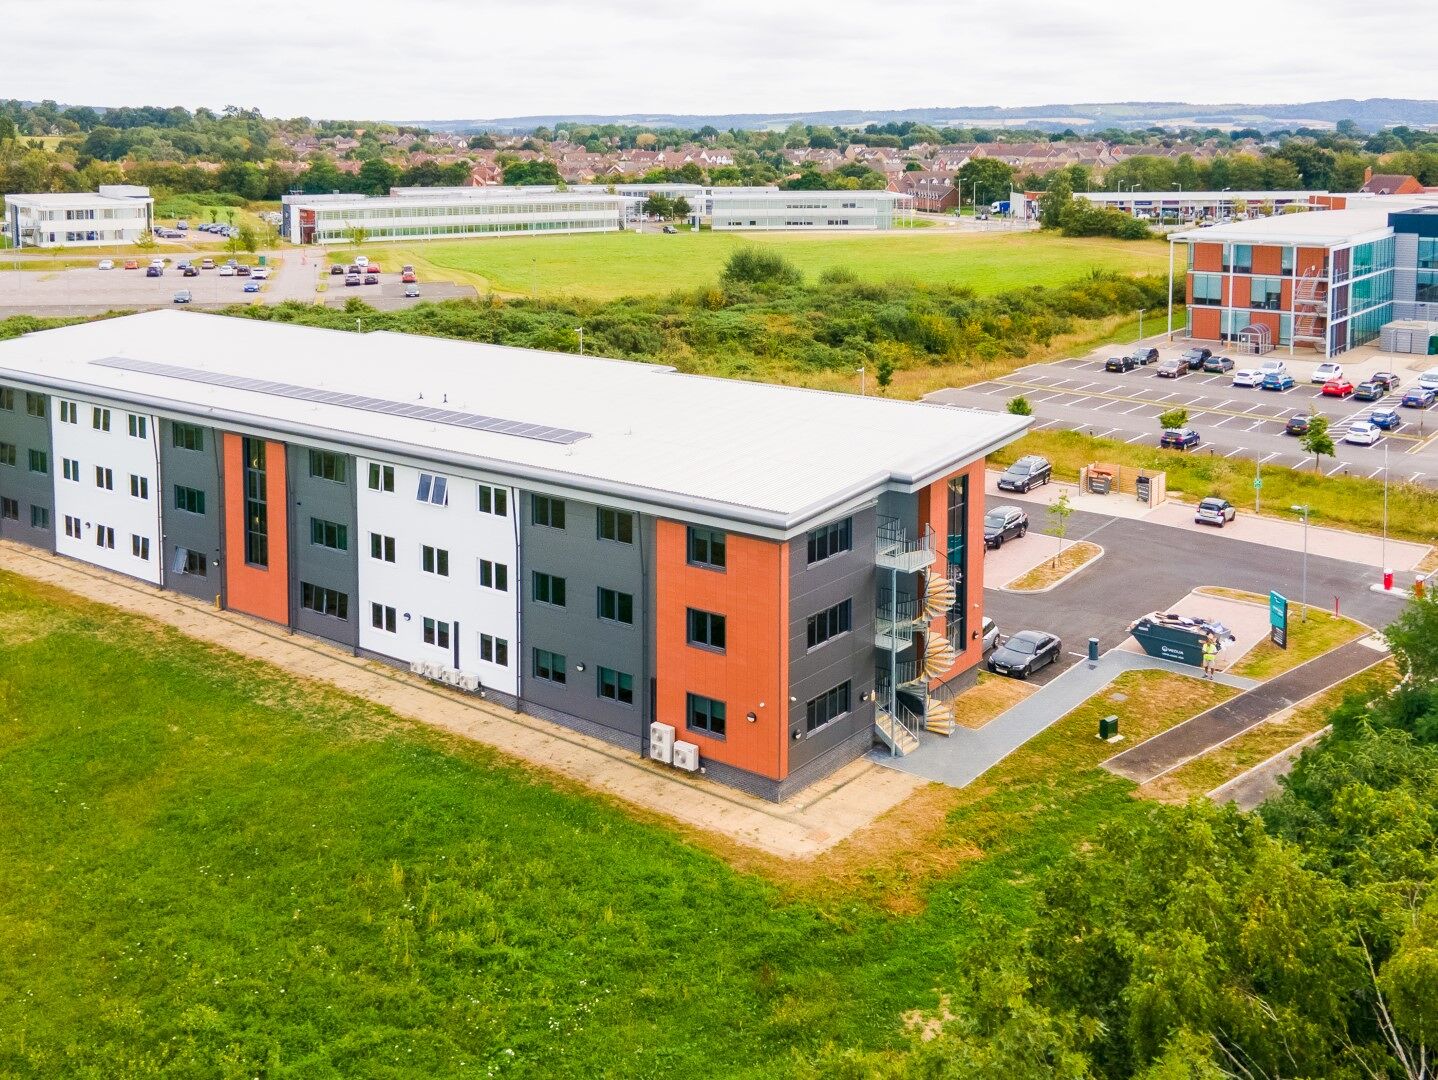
(1265, 460)
(1237, 450)
(1080, 386)
(1415, 476)
(1225, 420)
(1375, 472)
(1135, 439)
(1105, 404)
(1105, 434)
(1255, 425)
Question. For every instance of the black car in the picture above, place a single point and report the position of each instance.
(1218, 364)
(1144, 356)
(1026, 473)
(1024, 653)
(337, 269)
(354, 269)
(1179, 439)
(1194, 358)
(1120, 363)
(1369, 391)
(1297, 425)
(1386, 379)
(191, 271)
(1004, 523)
(153, 271)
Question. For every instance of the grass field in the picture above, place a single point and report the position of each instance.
(608, 265)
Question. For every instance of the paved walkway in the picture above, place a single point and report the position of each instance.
(1184, 742)
(966, 755)
(1251, 789)
(805, 826)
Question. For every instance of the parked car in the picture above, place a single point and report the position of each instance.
(1339, 388)
(989, 632)
(1144, 356)
(1385, 419)
(1004, 523)
(226, 271)
(361, 260)
(1025, 474)
(242, 271)
(183, 226)
(408, 277)
(1273, 367)
(132, 264)
(406, 269)
(252, 286)
(1195, 358)
(1362, 433)
(1248, 377)
(106, 264)
(1326, 371)
(1419, 397)
(1171, 369)
(207, 263)
(353, 279)
(182, 297)
(1024, 653)
(354, 269)
(260, 273)
(154, 271)
(411, 291)
(670, 229)
(191, 271)
(1297, 424)
(1386, 379)
(1214, 511)
(1178, 439)
(337, 270)
(1369, 391)
(1218, 364)
(1429, 379)
(371, 279)
(1279, 381)
(1120, 363)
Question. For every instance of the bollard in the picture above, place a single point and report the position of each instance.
(1388, 580)
(1093, 650)
(1418, 588)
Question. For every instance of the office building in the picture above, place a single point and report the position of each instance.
(113, 214)
(746, 208)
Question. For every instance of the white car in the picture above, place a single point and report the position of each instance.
(226, 271)
(362, 261)
(1363, 434)
(1429, 379)
(1273, 367)
(260, 273)
(1324, 372)
(1249, 377)
(107, 264)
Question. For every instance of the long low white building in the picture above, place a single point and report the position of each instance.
(745, 208)
(113, 214)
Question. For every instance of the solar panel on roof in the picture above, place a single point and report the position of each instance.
(451, 417)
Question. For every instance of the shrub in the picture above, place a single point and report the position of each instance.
(756, 266)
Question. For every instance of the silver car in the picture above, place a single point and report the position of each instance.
(1212, 511)
(990, 633)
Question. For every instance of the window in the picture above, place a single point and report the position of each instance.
(139, 427)
(494, 650)
(104, 478)
(7, 398)
(829, 705)
(381, 547)
(69, 412)
(433, 489)
(547, 511)
(7, 454)
(706, 547)
(140, 546)
(9, 508)
(190, 500)
(72, 527)
(324, 601)
(549, 666)
(382, 618)
(257, 511)
(187, 437)
(381, 477)
(100, 419)
(616, 686)
(190, 562)
(705, 714)
(325, 465)
(139, 486)
(39, 461)
(330, 534)
(436, 633)
(1265, 293)
(829, 623)
(434, 560)
(105, 537)
(829, 540)
(616, 525)
(35, 406)
(493, 500)
(1208, 289)
(39, 517)
(549, 589)
(706, 628)
(493, 575)
(616, 606)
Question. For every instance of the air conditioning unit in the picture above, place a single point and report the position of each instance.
(449, 676)
(661, 743)
(468, 682)
(430, 668)
(686, 756)
(417, 667)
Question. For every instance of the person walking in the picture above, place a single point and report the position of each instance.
(1210, 655)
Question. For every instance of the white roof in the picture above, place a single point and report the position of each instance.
(776, 195)
(61, 199)
(1174, 195)
(772, 457)
(454, 197)
(1319, 228)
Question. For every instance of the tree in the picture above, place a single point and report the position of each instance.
(248, 239)
(145, 241)
(658, 206)
(482, 141)
(531, 172)
(680, 207)
(1173, 418)
(1059, 511)
(358, 234)
(376, 176)
(1413, 637)
(1020, 406)
(759, 266)
(1054, 203)
(1316, 439)
(885, 372)
(994, 179)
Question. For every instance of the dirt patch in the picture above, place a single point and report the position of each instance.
(992, 696)
(1050, 572)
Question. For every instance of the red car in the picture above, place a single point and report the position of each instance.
(1337, 388)
(408, 277)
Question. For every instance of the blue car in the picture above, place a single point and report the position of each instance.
(1419, 397)
(252, 286)
(1276, 380)
(1386, 419)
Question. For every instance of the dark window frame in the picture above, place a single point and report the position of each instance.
(701, 715)
(706, 629)
(615, 526)
(829, 540)
(706, 548)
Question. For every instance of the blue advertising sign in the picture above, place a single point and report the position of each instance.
(1278, 619)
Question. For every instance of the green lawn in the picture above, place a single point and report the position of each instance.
(608, 265)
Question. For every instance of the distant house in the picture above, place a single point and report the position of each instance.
(1390, 184)
(931, 191)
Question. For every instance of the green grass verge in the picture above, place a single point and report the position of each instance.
(1308, 637)
(1346, 502)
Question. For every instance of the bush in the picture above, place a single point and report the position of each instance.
(756, 266)
(1020, 406)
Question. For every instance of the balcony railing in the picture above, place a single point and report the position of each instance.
(895, 549)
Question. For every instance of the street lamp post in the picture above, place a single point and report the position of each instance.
(863, 380)
(1140, 324)
(1384, 557)
(580, 331)
(1304, 511)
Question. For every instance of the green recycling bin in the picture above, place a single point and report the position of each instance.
(262, 260)
(1169, 642)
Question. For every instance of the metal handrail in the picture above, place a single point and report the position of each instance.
(892, 538)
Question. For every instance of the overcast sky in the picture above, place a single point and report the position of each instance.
(443, 59)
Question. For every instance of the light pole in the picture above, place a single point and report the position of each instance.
(1304, 511)
(580, 331)
(1180, 201)
(1140, 324)
(863, 380)
(1384, 557)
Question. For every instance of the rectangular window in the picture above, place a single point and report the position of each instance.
(35, 406)
(706, 628)
(257, 511)
(547, 511)
(187, 437)
(140, 546)
(493, 575)
(706, 547)
(828, 706)
(616, 525)
(329, 602)
(434, 560)
(436, 633)
(1208, 289)
(105, 537)
(72, 527)
(382, 618)
(381, 477)
(39, 461)
(7, 398)
(330, 534)
(494, 650)
(829, 540)
(493, 500)
(39, 517)
(616, 686)
(705, 714)
(69, 412)
(139, 427)
(381, 547)
(191, 562)
(7, 454)
(616, 606)
(325, 465)
(139, 486)
(549, 666)
(100, 419)
(433, 489)
(104, 478)
(829, 623)
(191, 500)
(549, 589)
(9, 508)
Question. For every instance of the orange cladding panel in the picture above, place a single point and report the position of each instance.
(256, 590)
(751, 674)
(1208, 257)
(1267, 260)
(1311, 259)
(1205, 324)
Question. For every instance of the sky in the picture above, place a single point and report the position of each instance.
(453, 59)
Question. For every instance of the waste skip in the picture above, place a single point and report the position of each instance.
(1178, 637)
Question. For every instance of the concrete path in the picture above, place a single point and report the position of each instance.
(1154, 757)
(1251, 789)
(966, 755)
(807, 825)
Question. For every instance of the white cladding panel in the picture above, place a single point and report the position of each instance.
(468, 536)
(97, 507)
